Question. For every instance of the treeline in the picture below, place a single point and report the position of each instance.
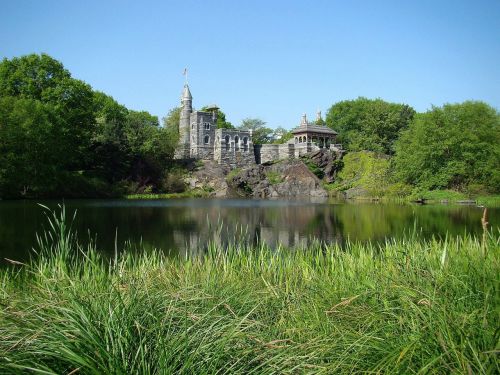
(393, 150)
(60, 138)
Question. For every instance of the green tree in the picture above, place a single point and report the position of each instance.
(42, 78)
(260, 134)
(222, 123)
(171, 129)
(281, 135)
(28, 165)
(365, 124)
(454, 146)
(111, 154)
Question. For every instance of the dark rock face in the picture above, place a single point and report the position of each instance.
(327, 162)
(284, 179)
(209, 176)
(287, 178)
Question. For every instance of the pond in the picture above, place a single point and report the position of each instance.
(187, 225)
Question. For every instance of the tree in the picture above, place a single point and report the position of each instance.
(455, 147)
(365, 124)
(281, 135)
(110, 147)
(260, 134)
(222, 123)
(171, 128)
(28, 163)
(44, 79)
(31, 76)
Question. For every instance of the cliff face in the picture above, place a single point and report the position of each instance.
(286, 178)
(291, 178)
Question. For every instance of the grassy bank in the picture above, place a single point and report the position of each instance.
(195, 193)
(408, 306)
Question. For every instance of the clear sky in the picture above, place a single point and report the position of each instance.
(268, 59)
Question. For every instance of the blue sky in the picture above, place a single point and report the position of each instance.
(268, 59)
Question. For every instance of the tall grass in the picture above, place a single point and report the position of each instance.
(408, 306)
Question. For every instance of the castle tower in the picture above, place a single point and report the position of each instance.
(183, 147)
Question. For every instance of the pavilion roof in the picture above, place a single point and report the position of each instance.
(313, 128)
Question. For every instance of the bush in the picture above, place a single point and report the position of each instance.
(173, 182)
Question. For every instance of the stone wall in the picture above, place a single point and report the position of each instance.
(234, 148)
(203, 130)
(271, 153)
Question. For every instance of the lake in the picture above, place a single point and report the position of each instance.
(187, 225)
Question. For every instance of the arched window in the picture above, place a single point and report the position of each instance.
(206, 125)
(296, 140)
(300, 139)
(245, 144)
(227, 138)
(236, 142)
(207, 139)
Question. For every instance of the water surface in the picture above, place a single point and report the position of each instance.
(186, 225)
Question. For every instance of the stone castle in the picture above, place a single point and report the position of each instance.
(199, 138)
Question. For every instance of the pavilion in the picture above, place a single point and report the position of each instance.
(318, 135)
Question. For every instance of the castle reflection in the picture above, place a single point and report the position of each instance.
(190, 226)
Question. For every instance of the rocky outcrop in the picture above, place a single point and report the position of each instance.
(325, 163)
(290, 178)
(210, 177)
(286, 178)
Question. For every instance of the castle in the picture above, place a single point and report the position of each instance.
(199, 138)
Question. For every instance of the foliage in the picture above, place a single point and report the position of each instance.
(451, 147)
(366, 124)
(408, 306)
(260, 134)
(281, 135)
(314, 168)
(222, 123)
(173, 182)
(194, 193)
(233, 173)
(274, 177)
(58, 137)
(370, 175)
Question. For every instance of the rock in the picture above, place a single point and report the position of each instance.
(209, 176)
(290, 178)
(326, 161)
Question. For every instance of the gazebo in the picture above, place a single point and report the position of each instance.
(319, 135)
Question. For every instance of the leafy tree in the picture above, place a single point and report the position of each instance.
(451, 147)
(110, 147)
(31, 76)
(365, 124)
(41, 78)
(171, 128)
(28, 164)
(281, 135)
(222, 123)
(260, 134)
(60, 138)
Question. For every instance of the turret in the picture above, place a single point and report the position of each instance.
(183, 146)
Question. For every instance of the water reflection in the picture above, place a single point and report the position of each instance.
(188, 225)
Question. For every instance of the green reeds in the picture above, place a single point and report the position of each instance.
(408, 306)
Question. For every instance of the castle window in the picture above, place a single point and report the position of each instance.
(227, 139)
(207, 139)
(296, 140)
(245, 144)
(236, 142)
(206, 125)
